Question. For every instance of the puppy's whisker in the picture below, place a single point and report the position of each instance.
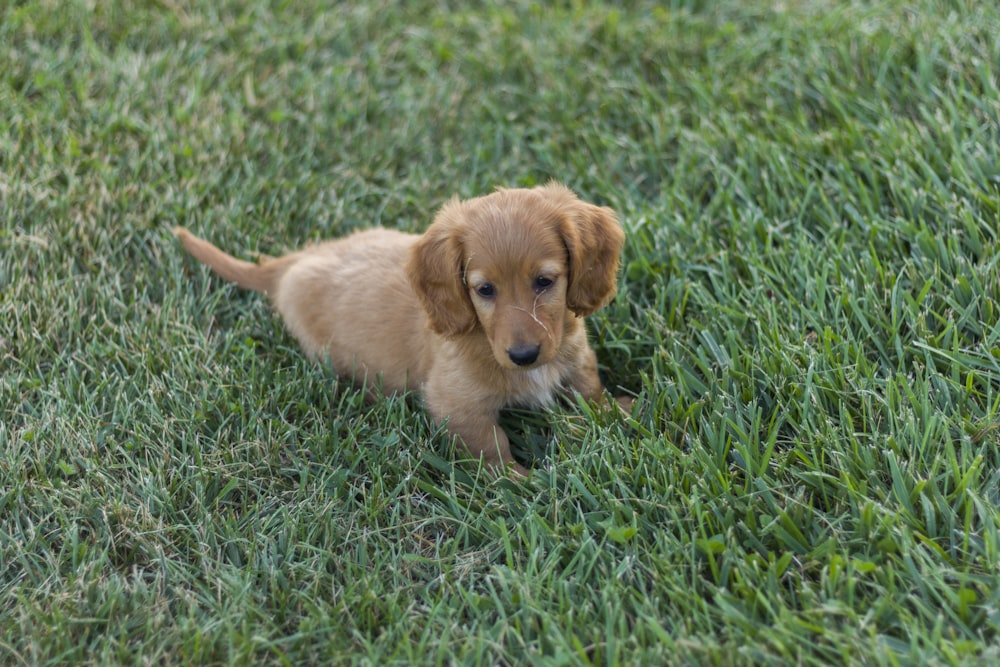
(465, 270)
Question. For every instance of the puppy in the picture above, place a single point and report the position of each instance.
(483, 311)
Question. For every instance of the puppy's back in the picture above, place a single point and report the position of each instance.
(351, 300)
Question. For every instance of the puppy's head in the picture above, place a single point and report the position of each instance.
(512, 264)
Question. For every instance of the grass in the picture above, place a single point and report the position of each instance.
(809, 314)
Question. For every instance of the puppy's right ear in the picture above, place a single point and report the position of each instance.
(435, 270)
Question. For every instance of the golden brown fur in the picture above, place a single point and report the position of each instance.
(483, 311)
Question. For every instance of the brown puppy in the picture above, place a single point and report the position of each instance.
(483, 311)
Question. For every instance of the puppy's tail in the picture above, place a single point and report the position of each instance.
(258, 277)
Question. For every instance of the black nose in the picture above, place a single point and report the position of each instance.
(523, 355)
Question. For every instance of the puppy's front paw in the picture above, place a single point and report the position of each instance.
(517, 471)
(625, 403)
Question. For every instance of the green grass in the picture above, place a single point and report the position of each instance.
(809, 314)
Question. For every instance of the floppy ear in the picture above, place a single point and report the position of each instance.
(435, 270)
(594, 240)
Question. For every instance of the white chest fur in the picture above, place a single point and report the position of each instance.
(537, 387)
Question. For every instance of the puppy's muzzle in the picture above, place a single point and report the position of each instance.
(523, 355)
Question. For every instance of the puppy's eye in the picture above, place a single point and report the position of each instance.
(543, 283)
(486, 291)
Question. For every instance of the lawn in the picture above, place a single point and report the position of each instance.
(808, 315)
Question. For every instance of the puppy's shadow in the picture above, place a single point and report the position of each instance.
(531, 435)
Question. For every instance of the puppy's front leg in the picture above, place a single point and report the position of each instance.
(587, 383)
(483, 437)
(584, 379)
(474, 423)
(473, 418)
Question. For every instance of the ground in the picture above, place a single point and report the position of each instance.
(807, 315)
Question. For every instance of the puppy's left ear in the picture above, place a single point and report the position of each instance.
(594, 239)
